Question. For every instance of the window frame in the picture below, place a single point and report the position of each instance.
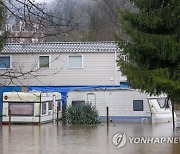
(165, 105)
(34, 40)
(44, 104)
(39, 61)
(50, 105)
(82, 61)
(125, 57)
(138, 101)
(10, 62)
(22, 103)
(78, 103)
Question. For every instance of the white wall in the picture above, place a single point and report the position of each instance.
(98, 69)
(120, 102)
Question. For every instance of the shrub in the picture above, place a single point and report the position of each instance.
(83, 114)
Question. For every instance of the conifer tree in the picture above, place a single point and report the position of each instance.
(153, 47)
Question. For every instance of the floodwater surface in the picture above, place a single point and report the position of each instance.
(79, 139)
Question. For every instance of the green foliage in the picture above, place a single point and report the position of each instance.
(154, 46)
(83, 114)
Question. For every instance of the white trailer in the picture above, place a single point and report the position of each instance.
(31, 107)
(124, 104)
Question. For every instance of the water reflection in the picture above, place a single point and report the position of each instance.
(66, 139)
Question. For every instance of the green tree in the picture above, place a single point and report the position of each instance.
(153, 46)
(82, 114)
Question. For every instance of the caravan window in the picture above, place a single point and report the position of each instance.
(78, 103)
(44, 108)
(50, 105)
(163, 103)
(137, 105)
(21, 109)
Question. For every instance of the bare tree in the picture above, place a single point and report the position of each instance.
(36, 17)
(65, 20)
(38, 21)
(68, 11)
(103, 19)
(17, 76)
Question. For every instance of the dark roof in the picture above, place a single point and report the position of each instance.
(55, 47)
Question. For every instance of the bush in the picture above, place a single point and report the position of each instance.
(83, 114)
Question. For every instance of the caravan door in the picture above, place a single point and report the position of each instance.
(91, 99)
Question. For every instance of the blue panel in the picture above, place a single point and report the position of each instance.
(6, 89)
(124, 84)
(126, 118)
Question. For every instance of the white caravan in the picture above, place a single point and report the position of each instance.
(124, 104)
(31, 107)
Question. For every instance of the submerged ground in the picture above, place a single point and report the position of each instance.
(75, 139)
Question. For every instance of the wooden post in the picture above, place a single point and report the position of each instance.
(173, 116)
(107, 112)
(57, 114)
(40, 108)
(25, 89)
(54, 108)
(9, 116)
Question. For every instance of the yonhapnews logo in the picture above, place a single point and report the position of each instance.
(120, 139)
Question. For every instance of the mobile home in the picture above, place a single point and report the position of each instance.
(62, 63)
(31, 107)
(124, 104)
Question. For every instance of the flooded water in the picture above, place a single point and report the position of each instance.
(79, 139)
